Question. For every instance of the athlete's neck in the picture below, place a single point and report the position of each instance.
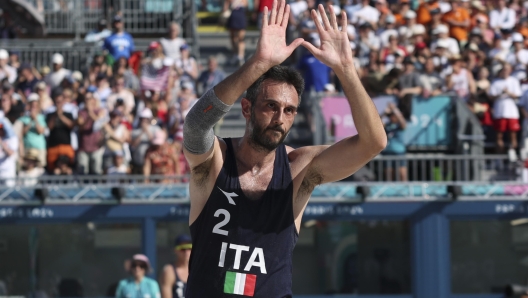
(251, 158)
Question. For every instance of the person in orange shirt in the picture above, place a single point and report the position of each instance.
(458, 20)
(424, 11)
(405, 5)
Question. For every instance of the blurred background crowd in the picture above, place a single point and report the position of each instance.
(124, 113)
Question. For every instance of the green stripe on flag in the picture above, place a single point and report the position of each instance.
(229, 285)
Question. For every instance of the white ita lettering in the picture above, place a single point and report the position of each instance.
(257, 253)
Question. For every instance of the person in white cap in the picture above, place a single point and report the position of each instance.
(519, 57)
(58, 74)
(138, 285)
(451, 44)
(413, 27)
(6, 71)
(142, 135)
(387, 31)
(34, 129)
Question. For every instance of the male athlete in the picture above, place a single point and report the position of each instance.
(248, 194)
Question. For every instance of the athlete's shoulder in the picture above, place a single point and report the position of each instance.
(306, 153)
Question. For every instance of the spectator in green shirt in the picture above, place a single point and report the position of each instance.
(34, 128)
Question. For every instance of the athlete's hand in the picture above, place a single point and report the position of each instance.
(335, 50)
(271, 48)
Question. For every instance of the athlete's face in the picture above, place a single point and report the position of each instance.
(272, 115)
(183, 254)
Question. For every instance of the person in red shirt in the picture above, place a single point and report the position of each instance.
(259, 5)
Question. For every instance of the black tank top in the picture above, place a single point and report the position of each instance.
(178, 289)
(240, 246)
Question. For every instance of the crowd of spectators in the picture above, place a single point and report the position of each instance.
(473, 49)
(123, 115)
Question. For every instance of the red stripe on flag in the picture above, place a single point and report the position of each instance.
(249, 288)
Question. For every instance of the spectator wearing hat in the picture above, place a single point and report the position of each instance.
(366, 14)
(504, 91)
(120, 43)
(8, 154)
(161, 158)
(210, 77)
(27, 80)
(424, 12)
(460, 80)
(90, 121)
(155, 69)
(99, 34)
(116, 138)
(44, 99)
(502, 17)
(387, 31)
(441, 32)
(478, 13)
(186, 67)
(138, 285)
(121, 96)
(34, 129)
(60, 124)
(173, 279)
(58, 74)
(459, 21)
(31, 168)
(172, 43)
(7, 71)
(141, 139)
(519, 57)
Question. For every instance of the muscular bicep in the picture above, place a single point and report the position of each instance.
(166, 281)
(198, 159)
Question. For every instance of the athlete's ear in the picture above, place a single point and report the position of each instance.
(246, 108)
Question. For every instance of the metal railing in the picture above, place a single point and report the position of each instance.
(38, 52)
(140, 16)
(441, 167)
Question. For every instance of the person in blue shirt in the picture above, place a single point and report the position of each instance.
(138, 285)
(395, 143)
(315, 73)
(120, 44)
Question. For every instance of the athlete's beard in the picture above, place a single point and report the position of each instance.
(260, 140)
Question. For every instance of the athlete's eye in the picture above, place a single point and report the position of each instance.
(271, 105)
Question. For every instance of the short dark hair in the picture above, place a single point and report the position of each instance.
(277, 73)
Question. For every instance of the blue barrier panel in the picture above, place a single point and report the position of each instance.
(430, 125)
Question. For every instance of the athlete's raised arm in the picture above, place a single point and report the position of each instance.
(271, 50)
(348, 155)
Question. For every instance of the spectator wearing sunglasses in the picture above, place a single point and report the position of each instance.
(173, 279)
(138, 285)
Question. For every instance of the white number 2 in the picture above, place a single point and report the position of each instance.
(217, 228)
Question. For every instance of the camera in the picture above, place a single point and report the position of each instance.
(119, 102)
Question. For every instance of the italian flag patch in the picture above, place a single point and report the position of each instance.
(240, 283)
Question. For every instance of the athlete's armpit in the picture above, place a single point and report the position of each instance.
(312, 178)
(201, 172)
